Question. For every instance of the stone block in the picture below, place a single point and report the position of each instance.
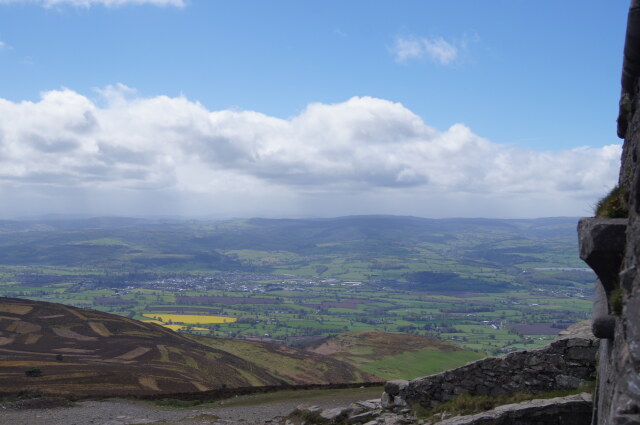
(535, 360)
(386, 401)
(579, 342)
(355, 409)
(394, 387)
(399, 401)
(369, 404)
(604, 327)
(602, 243)
(633, 328)
(361, 417)
(568, 382)
(498, 391)
(627, 277)
(335, 413)
(578, 330)
(481, 390)
(581, 353)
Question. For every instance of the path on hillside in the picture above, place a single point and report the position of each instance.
(247, 410)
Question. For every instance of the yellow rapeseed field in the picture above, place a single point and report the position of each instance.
(189, 318)
(182, 328)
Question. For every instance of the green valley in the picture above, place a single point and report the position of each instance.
(488, 285)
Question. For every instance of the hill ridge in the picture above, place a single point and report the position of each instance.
(82, 352)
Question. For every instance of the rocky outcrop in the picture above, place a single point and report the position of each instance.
(618, 392)
(367, 412)
(571, 410)
(564, 364)
(617, 306)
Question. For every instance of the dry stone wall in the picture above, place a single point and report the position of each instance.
(564, 364)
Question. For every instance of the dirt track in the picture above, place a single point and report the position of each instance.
(248, 410)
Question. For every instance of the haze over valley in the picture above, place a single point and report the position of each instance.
(490, 285)
(280, 205)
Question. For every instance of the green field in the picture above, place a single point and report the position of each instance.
(413, 364)
(470, 281)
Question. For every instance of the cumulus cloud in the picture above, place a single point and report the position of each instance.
(88, 3)
(435, 49)
(343, 157)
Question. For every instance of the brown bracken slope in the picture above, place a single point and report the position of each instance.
(83, 352)
(376, 345)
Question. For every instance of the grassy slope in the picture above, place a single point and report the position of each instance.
(287, 363)
(412, 364)
(393, 355)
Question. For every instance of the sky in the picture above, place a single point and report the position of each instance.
(288, 108)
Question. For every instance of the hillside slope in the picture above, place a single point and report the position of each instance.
(83, 352)
(394, 355)
(287, 363)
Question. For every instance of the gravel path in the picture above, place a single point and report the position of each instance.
(246, 410)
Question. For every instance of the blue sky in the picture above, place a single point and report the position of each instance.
(511, 99)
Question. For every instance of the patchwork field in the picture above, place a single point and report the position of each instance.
(491, 286)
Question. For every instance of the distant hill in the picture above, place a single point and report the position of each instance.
(393, 355)
(473, 254)
(78, 352)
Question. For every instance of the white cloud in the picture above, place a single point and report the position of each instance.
(362, 155)
(88, 3)
(435, 49)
